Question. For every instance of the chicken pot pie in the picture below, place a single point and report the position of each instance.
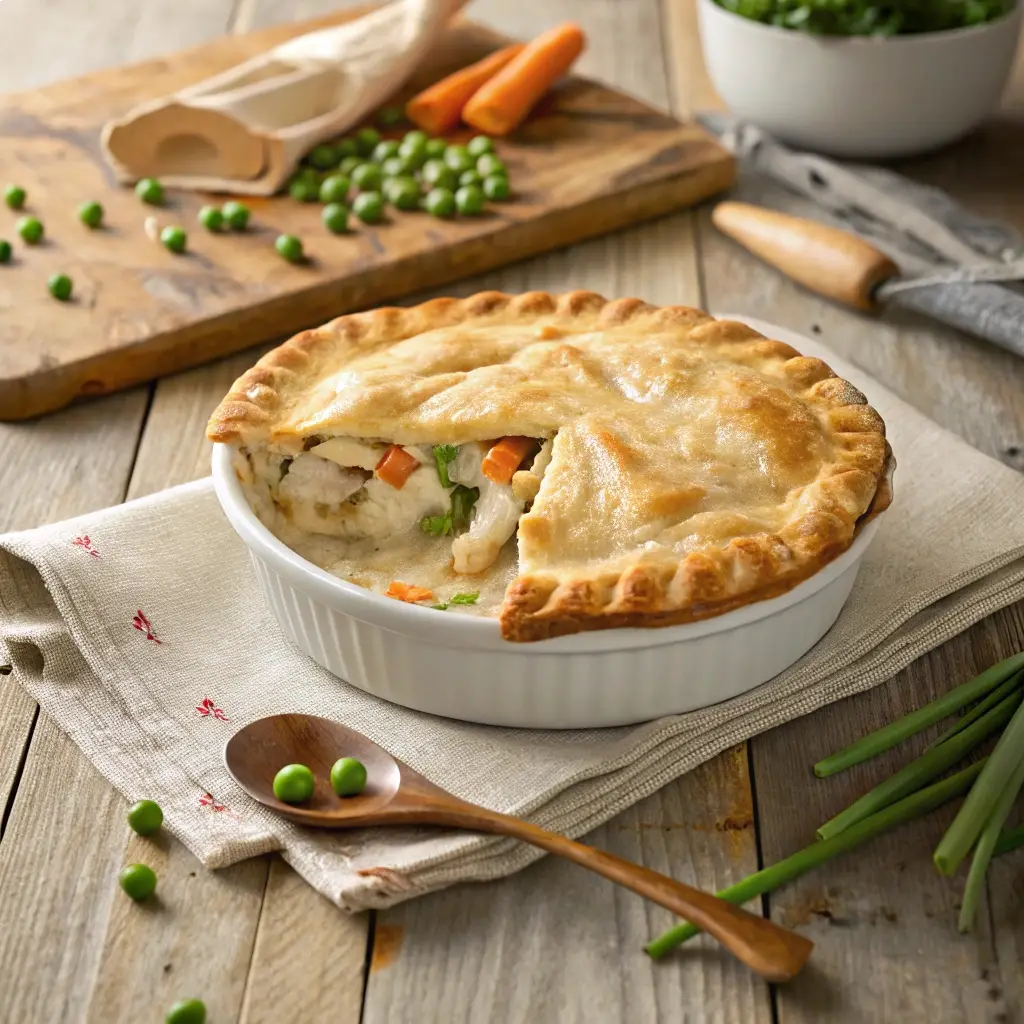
(564, 463)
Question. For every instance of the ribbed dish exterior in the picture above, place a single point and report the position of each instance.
(522, 686)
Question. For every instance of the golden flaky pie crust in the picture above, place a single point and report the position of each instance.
(697, 466)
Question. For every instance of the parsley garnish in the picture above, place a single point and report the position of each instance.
(459, 599)
(443, 454)
(457, 517)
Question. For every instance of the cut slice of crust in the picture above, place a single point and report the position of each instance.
(694, 465)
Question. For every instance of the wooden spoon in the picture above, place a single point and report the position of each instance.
(397, 795)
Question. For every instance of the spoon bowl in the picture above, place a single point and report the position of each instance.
(395, 794)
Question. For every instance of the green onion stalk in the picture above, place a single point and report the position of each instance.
(984, 798)
(994, 698)
(928, 766)
(895, 732)
(987, 842)
(799, 863)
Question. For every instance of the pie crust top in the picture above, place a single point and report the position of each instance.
(695, 466)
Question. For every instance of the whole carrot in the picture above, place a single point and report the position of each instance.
(501, 104)
(438, 108)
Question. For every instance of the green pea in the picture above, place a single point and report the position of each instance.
(395, 167)
(323, 157)
(211, 218)
(346, 148)
(149, 190)
(489, 164)
(439, 202)
(30, 229)
(458, 159)
(402, 193)
(91, 214)
(388, 117)
(496, 187)
(415, 139)
(438, 174)
(350, 163)
(294, 783)
(470, 177)
(367, 177)
(145, 817)
(5, 251)
(384, 151)
(335, 189)
(469, 200)
(348, 776)
(60, 287)
(174, 238)
(290, 248)
(335, 218)
(310, 174)
(366, 140)
(435, 148)
(478, 145)
(188, 1011)
(304, 190)
(414, 158)
(138, 881)
(369, 207)
(14, 196)
(236, 214)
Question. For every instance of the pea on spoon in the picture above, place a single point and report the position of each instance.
(397, 795)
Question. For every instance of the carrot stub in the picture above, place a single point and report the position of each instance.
(500, 105)
(505, 457)
(395, 466)
(408, 592)
(438, 108)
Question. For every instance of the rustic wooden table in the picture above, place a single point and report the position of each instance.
(552, 944)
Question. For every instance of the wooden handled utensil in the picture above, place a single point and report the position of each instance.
(826, 260)
(397, 795)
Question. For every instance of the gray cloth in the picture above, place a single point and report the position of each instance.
(142, 631)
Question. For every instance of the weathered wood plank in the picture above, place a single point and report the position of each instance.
(329, 988)
(883, 919)
(66, 834)
(555, 944)
(463, 954)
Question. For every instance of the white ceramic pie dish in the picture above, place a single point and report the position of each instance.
(460, 667)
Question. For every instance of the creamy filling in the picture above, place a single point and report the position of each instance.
(427, 516)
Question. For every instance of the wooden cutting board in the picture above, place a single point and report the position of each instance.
(591, 160)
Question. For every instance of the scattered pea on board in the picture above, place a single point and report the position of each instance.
(145, 817)
(350, 163)
(458, 159)
(334, 189)
(91, 214)
(304, 190)
(14, 196)
(60, 287)
(31, 230)
(402, 193)
(290, 248)
(323, 158)
(469, 201)
(138, 881)
(294, 783)
(211, 218)
(489, 164)
(188, 1011)
(348, 776)
(389, 117)
(369, 207)
(496, 187)
(366, 140)
(478, 145)
(470, 177)
(367, 177)
(335, 218)
(236, 214)
(385, 150)
(438, 174)
(5, 251)
(174, 239)
(439, 202)
(150, 191)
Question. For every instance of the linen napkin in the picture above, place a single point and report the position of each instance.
(142, 631)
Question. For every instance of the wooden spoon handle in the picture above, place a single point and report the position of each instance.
(834, 263)
(773, 952)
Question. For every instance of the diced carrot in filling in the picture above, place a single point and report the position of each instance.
(408, 592)
(396, 466)
(505, 457)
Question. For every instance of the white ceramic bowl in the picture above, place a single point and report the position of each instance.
(861, 97)
(459, 666)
